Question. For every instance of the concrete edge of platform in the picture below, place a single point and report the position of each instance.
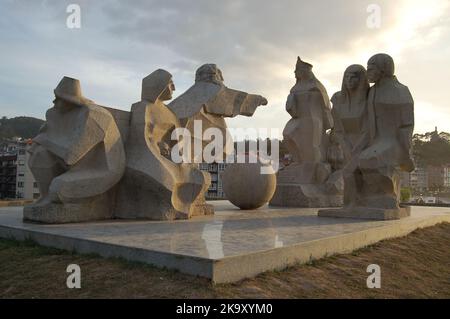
(191, 265)
(235, 268)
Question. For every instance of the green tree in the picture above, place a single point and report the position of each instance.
(405, 194)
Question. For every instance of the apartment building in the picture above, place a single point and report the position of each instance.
(16, 179)
(26, 187)
(215, 190)
(8, 171)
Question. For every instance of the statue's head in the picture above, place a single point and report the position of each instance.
(302, 69)
(157, 86)
(355, 77)
(68, 94)
(380, 66)
(209, 73)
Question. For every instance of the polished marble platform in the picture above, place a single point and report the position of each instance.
(226, 247)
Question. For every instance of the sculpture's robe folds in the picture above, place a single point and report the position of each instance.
(309, 107)
(391, 123)
(154, 186)
(77, 159)
(84, 144)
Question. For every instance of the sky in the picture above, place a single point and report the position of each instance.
(254, 42)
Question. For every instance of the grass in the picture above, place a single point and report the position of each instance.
(415, 266)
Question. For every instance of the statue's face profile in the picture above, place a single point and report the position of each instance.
(300, 72)
(168, 92)
(374, 73)
(352, 79)
(62, 105)
(58, 103)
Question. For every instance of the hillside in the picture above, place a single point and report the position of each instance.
(22, 126)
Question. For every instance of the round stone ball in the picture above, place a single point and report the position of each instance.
(246, 187)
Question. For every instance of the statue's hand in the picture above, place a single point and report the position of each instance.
(263, 100)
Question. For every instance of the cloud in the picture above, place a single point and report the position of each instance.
(254, 42)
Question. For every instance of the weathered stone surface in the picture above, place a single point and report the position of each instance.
(303, 183)
(210, 101)
(154, 187)
(77, 159)
(367, 213)
(372, 176)
(246, 187)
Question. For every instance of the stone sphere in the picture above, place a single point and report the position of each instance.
(246, 187)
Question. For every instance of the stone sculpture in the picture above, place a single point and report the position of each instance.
(307, 181)
(350, 116)
(77, 159)
(373, 180)
(209, 101)
(245, 186)
(155, 187)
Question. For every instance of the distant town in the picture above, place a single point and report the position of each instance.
(429, 183)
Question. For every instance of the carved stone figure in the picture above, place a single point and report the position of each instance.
(305, 182)
(350, 117)
(375, 186)
(210, 101)
(155, 187)
(77, 159)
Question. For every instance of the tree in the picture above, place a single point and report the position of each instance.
(432, 148)
(405, 194)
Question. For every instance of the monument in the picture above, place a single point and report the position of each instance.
(155, 187)
(77, 159)
(308, 180)
(208, 102)
(350, 117)
(373, 176)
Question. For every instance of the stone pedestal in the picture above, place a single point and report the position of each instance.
(307, 195)
(366, 213)
(89, 209)
(308, 185)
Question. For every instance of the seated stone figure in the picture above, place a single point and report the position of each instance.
(155, 187)
(376, 170)
(77, 159)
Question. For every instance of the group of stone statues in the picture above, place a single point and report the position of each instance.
(92, 162)
(356, 149)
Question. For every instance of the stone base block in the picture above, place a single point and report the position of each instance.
(305, 195)
(366, 213)
(202, 209)
(225, 247)
(97, 208)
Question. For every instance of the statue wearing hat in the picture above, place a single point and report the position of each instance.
(155, 187)
(77, 159)
(306, 181)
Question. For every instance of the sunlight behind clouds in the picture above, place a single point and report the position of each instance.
(254, 45)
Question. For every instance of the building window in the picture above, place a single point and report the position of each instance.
(20, 184)
(35, 185)
(21, 174)
(21, 163)
(36, 195)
